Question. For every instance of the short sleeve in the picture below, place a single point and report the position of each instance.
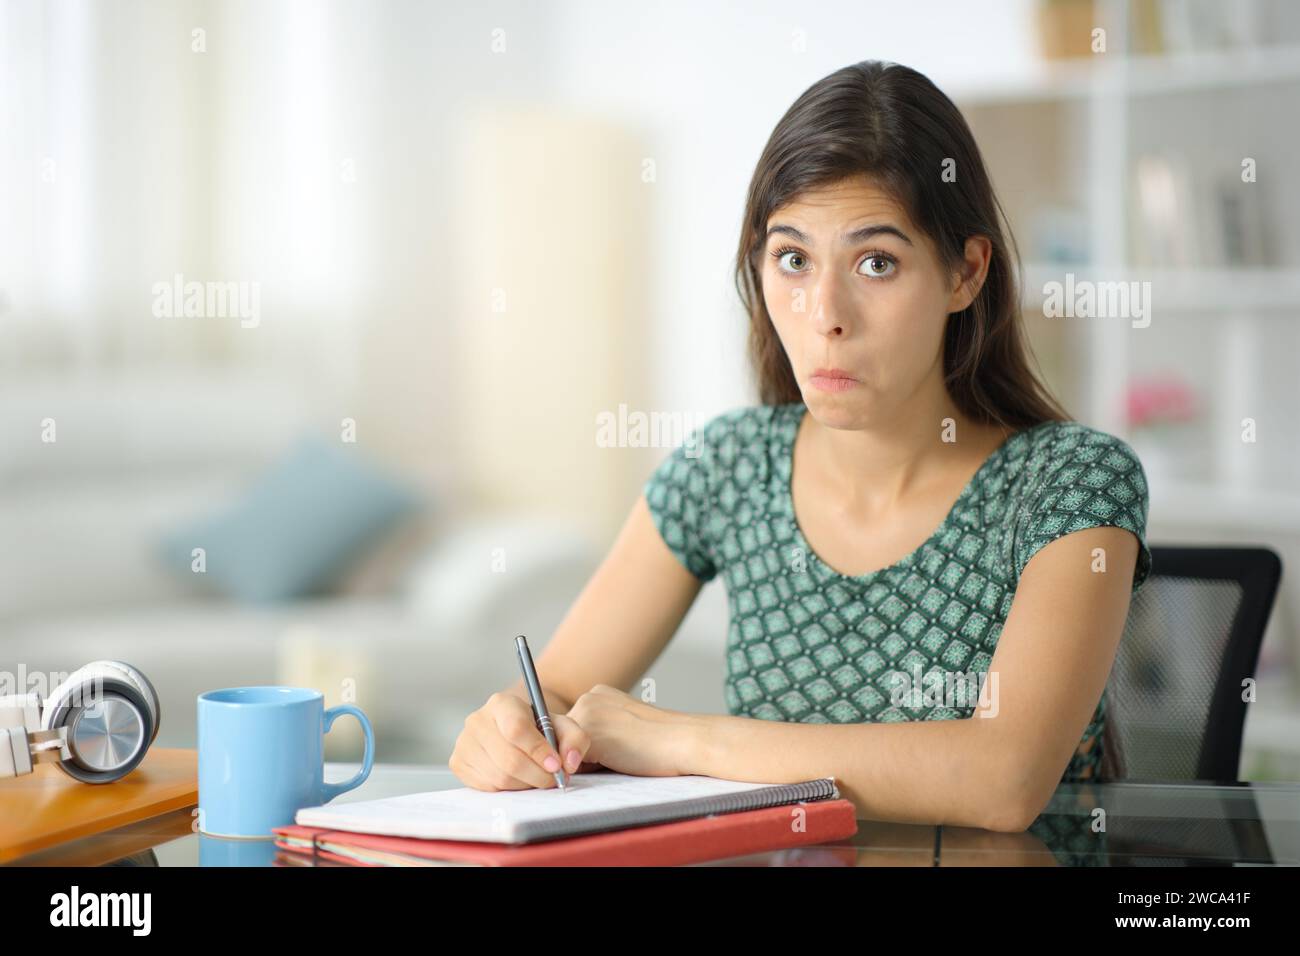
(678, 495)
(1088, 479)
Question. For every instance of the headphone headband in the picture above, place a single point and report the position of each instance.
(97, 724)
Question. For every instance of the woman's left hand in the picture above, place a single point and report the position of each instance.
(633, 737)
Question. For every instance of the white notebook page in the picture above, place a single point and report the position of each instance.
(493, 816)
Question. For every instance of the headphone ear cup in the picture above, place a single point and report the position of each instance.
(145, 690)
(109, 726)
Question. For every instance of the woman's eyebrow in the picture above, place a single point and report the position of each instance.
(857, 235)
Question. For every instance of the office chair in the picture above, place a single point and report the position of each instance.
(1174, 697)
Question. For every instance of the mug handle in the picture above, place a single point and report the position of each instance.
(332, 790)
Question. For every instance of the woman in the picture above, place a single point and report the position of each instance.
(908, 508)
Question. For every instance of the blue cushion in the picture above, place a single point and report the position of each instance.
(297, 528)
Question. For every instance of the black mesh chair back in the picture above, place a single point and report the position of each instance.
(1175, 707)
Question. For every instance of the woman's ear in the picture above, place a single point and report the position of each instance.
(970, 279)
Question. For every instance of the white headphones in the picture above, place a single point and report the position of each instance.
(97, 724)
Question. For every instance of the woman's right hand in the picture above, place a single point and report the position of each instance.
(500, 747)
(640, 593)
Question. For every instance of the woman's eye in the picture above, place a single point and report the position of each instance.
(878, 266)
(795, 261)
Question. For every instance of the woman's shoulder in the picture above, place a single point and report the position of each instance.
(709, 472)
(1076, 477)
(740, 439)
(748, 426)
(737, 446)
(1070, 450)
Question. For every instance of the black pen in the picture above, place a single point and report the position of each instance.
(542, 718)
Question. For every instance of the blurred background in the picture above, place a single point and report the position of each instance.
(330, 329)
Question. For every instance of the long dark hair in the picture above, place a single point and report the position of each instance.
(892, 124)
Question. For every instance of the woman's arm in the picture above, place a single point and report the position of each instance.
(622, 620)
(996, 771)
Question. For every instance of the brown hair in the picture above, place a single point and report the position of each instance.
(892, 124)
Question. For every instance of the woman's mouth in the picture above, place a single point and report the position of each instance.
(832, 380)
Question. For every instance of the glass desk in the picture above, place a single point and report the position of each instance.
(1115, 824)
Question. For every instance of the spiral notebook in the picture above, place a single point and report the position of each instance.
(594, 803)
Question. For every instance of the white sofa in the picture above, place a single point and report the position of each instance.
(417, 647)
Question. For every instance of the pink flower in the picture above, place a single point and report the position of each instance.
(1159, 400)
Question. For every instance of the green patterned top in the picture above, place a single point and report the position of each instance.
(907, 642)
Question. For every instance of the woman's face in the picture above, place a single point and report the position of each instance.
(859, 299)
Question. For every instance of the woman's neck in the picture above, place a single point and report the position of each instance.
(934, 447)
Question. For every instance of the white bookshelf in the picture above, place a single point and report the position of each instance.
(1225, 315)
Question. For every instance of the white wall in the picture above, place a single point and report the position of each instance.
(228, 164)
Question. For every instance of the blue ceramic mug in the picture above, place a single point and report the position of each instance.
(262, 757)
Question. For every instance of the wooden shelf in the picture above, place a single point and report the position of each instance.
(1114, 74)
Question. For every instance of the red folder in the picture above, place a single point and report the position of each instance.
(662, 844)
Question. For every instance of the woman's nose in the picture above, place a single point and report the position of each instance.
(829, 308)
